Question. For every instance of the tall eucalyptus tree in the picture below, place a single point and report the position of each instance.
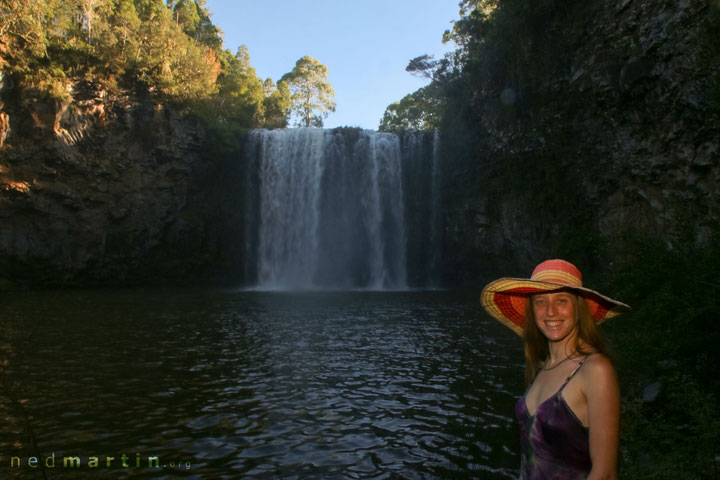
(312, 95)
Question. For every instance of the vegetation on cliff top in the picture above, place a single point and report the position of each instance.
(168, 48)
(506, 52)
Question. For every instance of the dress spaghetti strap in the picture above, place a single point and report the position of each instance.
(572, 374)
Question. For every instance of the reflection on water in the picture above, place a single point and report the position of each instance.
(232, 384)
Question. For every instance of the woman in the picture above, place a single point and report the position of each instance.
(569, 415)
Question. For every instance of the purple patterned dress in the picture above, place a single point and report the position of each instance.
(554, 444)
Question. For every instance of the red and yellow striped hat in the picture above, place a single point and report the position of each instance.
(506, 298)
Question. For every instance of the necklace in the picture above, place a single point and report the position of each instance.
(556, 365)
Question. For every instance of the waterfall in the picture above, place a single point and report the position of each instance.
(326, 209)
(422, 184)
(435, 218)
(291, 169)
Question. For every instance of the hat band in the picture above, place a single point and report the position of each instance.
(557, 276)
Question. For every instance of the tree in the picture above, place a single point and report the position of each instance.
(471, 28)
(240, 93)
(194, 19)
(23, 25)
(169, 61)
(420, 110)
(205, 32)
(186, 15)
(90, 13)
(125, 25)
(423, 66)
(311, 93)
(276, 104)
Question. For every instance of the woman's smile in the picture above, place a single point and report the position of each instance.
(555, 314)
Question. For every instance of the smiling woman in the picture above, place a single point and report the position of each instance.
(555, 315)
(569, 416)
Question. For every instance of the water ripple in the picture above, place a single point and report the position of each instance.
(262, 385)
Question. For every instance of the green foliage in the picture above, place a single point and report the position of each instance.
(508, 52)
(195, 22)
(311, 93)
(125, 23)
(242, 100)
(169, 48)
(423, 109)
(26, 23)
(423, 66)
(240, 90)
(420, 110)
(468, 32)
(105, 39)
(670, 337)
(276, 104)
(518, 47)
(675, 436)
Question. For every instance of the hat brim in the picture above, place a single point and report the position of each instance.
(506, 299)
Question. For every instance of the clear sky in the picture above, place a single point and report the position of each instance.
(366, 45)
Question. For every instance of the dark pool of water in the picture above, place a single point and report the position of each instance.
(251, 385)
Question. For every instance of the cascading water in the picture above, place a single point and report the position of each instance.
(435, 227)
(422, 206)
(328, 209)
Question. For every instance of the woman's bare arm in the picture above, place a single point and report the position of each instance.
(601, 389)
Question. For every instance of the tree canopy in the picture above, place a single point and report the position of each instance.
(311, 93)
(424, 108)
(508, 48)
(170, 48)
(420, 110)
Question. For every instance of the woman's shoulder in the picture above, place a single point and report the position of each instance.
(597, 358)
(597, 366)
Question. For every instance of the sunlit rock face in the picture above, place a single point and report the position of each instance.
(103, 189)
(330, 209)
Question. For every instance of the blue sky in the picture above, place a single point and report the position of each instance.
(366, 45)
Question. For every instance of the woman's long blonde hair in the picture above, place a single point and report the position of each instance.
(588, 340)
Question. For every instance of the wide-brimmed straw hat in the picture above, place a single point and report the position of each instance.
(506, 298)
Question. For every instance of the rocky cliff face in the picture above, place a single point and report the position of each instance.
(622, 139)
(107, 188)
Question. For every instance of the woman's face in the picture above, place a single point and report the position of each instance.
(555, 314)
